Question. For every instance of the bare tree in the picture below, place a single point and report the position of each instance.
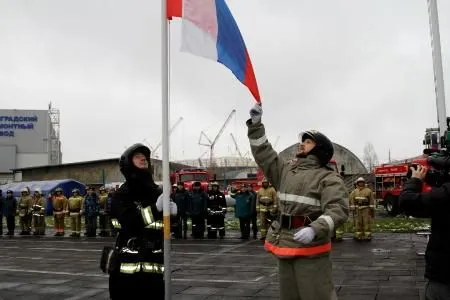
(370, 157)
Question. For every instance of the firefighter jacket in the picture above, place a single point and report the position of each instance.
(59, 204)
(199, 202)
(38, 205)
(9, 206)
(306, 190)
(91, 207)
(75, 204)
(267, 199)
(361, 198)
(182, 199)
(140, 239)
(102, 202)
(245, 204)
(25, 205)
(217, 201)
(435, 205)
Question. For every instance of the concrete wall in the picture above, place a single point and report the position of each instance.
(7, 158)
(95, 172)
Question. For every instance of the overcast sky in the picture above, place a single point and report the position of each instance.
(358, 70)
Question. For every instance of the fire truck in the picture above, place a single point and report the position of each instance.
(190, 175)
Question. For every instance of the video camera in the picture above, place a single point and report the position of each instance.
(438, 156)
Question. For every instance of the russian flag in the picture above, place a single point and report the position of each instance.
(210, 31)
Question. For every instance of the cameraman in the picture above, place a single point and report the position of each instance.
(435, 205)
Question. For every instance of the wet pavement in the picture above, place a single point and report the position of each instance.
(64, 268)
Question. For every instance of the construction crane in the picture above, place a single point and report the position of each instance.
(170, 132)
(211, 144)
(200, 159)
(236, 145)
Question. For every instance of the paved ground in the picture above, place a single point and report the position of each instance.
(63, 268)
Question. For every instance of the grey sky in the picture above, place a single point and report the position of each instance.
(359, 70)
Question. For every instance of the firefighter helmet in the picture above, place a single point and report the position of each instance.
(25, 190)
(324, 147)
(360, 179)
(38, 190)
(214, 183)
(265, 180)
(75, 191)
(58, 190)
(174, 185)
(126, 165)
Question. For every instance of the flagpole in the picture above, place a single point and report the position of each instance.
(165, 145)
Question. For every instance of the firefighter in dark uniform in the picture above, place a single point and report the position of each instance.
(137, 209)
(199, 201)
(182, 199)
(435, 205)
(217, 208)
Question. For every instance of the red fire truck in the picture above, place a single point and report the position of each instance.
(190, 175)
(389, 181)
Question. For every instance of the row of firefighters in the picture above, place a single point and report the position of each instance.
(211, 205)
(31, 209)
(199, 205)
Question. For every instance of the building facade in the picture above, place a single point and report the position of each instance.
(28, 138)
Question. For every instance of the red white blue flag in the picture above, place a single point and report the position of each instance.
(210, 31)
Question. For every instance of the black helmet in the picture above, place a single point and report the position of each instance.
(127, 168)
(324, 147)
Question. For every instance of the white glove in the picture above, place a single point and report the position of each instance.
(256, 113)
(305, 235)
(173, 206)
(159, 203)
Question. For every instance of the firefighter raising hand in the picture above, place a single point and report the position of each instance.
(420, 172)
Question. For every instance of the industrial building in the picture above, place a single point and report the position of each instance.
(95, 173)
(28, 138)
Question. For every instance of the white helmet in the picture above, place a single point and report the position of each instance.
(360, 179)
(38, 190)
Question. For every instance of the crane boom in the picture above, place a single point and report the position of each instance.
(223, 127)
(437, 67)
(213, 143)
(170, 132)
(236, 145)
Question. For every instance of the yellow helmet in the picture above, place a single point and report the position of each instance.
(360, 179)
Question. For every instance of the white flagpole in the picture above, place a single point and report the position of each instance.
(165, 145)
(437, 66)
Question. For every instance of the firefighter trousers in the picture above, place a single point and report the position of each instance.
(215, 223)
(182, 227)
(306, 278)
(25, 223)
(136, 286)
(105, 228)
(91, 230)
(363, 224)
(59, 222)
(198, 226)
(75, 223)
(39, 224)
(264, 219)
(11, 223)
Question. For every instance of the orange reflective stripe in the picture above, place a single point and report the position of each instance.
(284, 251)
